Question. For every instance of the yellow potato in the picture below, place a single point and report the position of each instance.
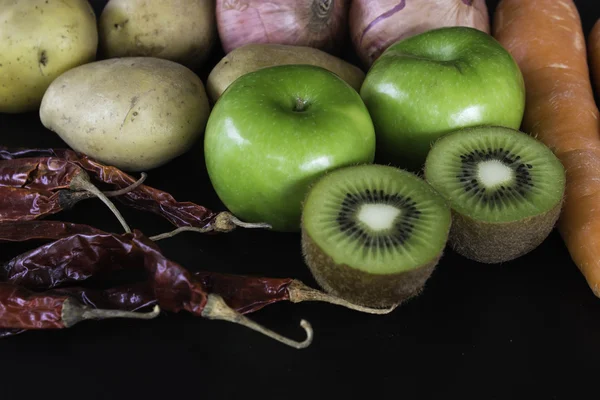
(252, 57)
(136, 113)
(39, 40)
(184, 31)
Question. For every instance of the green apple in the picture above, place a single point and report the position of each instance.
(438, 81)
(275, 131)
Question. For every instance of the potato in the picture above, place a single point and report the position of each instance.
(184, 31)
(252, 57)
(136, 113)
(39, 40)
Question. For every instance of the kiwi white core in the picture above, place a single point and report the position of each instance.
(494, 173)
(378, 217)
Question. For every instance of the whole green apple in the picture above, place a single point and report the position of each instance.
(274, 131)
(441, 80)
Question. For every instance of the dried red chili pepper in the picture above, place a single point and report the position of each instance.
(131, 297)
(177, 290)
(21, 308)
(21, 231)
(20, 204)
(48, 173)
(187, 215)
(32, 188)
(72, 259)
(55, 264)
(248, 294)
(173, 286)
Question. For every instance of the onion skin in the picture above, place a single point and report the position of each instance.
(377, 24)
(322, 24)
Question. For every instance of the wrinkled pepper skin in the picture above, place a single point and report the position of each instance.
(32, 186)
(245, 294)
(77, 253)
(41, 173)
(22, 204)
(21, 308)
(144, 197)
(71, 260)
(46, 230)
(35, 187)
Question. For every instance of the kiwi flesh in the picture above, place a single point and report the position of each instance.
(505, 188)
(373, 234)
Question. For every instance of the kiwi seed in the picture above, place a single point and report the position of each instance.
(505, 189)
(373, 234)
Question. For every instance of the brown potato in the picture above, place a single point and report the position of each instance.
(39, 40)
(136, 113)
(183, 31)
(252, 57)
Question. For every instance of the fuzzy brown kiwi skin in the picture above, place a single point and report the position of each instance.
(362, 288)
(494, 243)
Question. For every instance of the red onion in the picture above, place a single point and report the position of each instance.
(315, 23)
(377, 24)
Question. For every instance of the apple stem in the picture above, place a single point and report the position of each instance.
(299, 292)
(300, 104)
(217, 309)
(223, 222)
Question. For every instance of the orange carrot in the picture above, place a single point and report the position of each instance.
(594, 54)
(547, 41)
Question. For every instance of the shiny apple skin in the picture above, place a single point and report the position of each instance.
(275, 131)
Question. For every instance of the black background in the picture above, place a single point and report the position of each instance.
(528, 329)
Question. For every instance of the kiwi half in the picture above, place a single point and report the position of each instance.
(373, 234)
(505, 188)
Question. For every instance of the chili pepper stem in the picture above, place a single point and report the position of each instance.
(300, 292)
(130, 188)
(225, 219)
(71, 198)
(216, 308)
(74, 312)
(81, 181)
(177, 231)
(224, 222)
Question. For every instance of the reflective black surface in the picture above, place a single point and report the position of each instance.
(528, 329)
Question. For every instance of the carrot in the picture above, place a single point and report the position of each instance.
(594, 54)
(547, 41)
